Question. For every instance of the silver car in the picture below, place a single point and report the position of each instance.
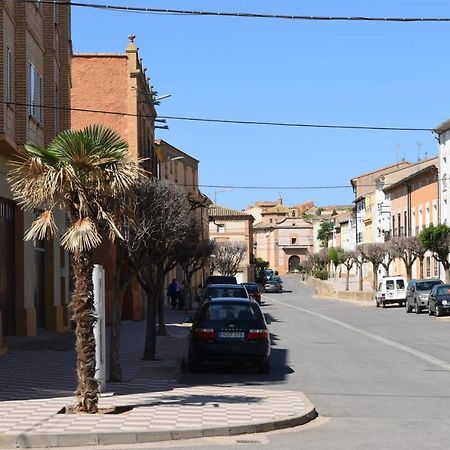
(272, 286)
(417, 293)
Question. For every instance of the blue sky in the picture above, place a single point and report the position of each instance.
(352, 73)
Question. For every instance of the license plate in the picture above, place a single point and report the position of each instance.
(231, 334)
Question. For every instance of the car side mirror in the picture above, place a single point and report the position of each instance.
(268, 319)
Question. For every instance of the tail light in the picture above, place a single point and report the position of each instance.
(258, 334)
(204, 333)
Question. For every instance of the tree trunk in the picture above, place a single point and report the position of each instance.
(120, 286)
(347, 280)
(421, 268)
(375, 277)
(82, 307)
(150, 334)
(409, 270)
(162, 329)
(361, 284)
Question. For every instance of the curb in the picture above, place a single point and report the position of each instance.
(30, 440)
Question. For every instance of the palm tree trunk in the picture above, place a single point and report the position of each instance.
(82, 306)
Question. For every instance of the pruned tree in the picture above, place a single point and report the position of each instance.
(390, 252)
(407, 249)
(158, 224)
(260, 266)
(419, 251)
(228, 256)
(374, 253)
(318, 263)
(360, 260)
(437, 239)
(348, 260)
(76, 172)
(325, 232)
(193, 256)
(336, 258)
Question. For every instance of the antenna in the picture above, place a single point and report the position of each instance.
(397, 150)
(419, 147)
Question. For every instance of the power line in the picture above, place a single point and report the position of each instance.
(228, 121)
(247, 15)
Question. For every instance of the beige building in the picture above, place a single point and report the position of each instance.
(281, 235)
(229, 225)
(35, 81)
(175, 166)
(117, 83)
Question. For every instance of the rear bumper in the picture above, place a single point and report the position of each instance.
(248, 351)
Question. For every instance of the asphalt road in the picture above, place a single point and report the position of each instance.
(379, 378)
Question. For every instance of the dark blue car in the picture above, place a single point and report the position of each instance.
(439, 300)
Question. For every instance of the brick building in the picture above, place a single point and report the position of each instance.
(35, 63)
(117, 83)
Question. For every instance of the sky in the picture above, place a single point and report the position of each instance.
(345, 73)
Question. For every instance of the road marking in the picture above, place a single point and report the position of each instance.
(404, 348)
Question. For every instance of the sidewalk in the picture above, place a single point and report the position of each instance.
(37, 380)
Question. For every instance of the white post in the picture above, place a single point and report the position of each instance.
(98, 278)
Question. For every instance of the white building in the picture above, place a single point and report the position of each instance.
(443, 135)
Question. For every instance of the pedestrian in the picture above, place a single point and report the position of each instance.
(172, 293)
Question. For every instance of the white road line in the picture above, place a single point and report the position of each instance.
(404, 348)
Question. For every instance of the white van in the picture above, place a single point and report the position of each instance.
(391, 290)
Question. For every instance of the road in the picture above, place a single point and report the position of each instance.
(379, 378)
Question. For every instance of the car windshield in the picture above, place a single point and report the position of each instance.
(443, 290)
(237, 292)
(235, 312)
(427, 285)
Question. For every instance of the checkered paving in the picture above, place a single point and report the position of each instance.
(179, 408)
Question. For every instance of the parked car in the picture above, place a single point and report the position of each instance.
(272, 286)
(229, 330)
(417, 293)
(220, 279)
(225, 290)
(439, 300)
(391, 290)
(253, 291)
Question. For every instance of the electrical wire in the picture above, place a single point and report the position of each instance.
(247, 15)
(228, 121)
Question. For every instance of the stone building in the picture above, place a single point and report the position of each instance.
(35, 63)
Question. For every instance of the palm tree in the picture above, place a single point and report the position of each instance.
(78, 172)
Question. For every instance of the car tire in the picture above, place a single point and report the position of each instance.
(430, 312)
(264, 367)
(376, 303)
(383, 305)
(417, 308)
(437, 312)
(408, 307)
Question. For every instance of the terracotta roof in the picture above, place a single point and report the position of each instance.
(278, 209)
(220, 211)
(442, 127)
(343, 217)
(395, 178)
(390, 166)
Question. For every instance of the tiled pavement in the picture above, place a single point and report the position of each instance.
(37, 379)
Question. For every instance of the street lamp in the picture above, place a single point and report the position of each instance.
(217, 191)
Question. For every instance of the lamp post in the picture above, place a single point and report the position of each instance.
(217, 191)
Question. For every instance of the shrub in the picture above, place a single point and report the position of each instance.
(321, 274)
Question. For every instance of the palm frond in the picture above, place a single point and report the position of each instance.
(44, 227)
(81, 236)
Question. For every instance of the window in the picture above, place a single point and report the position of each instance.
(436, 267)
(405, 222)
(428, 270)
(9, 76)
(293, 213)
(293, 241)
(35, 90)
(399, 217)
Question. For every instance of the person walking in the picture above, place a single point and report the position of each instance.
(173, 292)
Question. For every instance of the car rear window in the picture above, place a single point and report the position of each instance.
(427, 285)
(389, 285)
(238, 292)
(235, 312)
(251, 288)
(400, 284)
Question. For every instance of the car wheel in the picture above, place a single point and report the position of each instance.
(408, 307)
(265, 366)
(437, 311)
(430, 312)
(417, 308)
(383, 305)
(377, 303)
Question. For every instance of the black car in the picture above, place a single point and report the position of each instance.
(253, 291)
(229, 330)
(439, 300)
(224, 290)
(220, 279)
